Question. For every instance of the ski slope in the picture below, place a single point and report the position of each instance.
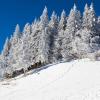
(76, 80)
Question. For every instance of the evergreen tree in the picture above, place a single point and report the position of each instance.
(6, 48)
(63, 21)
(25, 57)
(89, 18)
(60, 36)
(44, 18)
(73, 25)
(27, 29)
(92, 17)
(35, 38)
(13, 55)
(17, 31)
(53, 22)
(53, 30)
(5, 54)
(5, 59)
(44, 37)
(85, 23)
(86, 35)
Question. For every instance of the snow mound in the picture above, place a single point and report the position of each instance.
(76, 80)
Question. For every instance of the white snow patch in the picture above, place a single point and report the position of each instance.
(76, 80)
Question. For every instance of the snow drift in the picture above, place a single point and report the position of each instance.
(76, 80)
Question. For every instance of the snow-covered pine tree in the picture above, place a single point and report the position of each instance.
(2, 67)
(26, 55)
(14, 51)
(92, 33)
(92, 18)
(89, 17)
(44, 18)
(17, 32)
(44, 37)
(86, 38)
(54, 22)
(73, 25)
(60, 36)
(16, 36)
(6, 48)
(5, 59)
(44, 46)
(81, 42)
(27, 29)
(53, 30)
(95, 39)
(34, 41)
(85, 17)
(63, 21)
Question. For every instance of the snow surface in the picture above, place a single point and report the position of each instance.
(76, 80)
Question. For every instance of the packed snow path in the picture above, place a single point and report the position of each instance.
(76, 80)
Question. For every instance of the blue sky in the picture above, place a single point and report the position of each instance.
(14, 12)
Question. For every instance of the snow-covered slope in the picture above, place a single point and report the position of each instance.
(76, 80)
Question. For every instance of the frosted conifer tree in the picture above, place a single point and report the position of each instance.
(91, 33)
(63, 21)
(17, 33)
(5, 59)
(89, 18)
(5, 54)
(27, 29)
(53, 22)
(14, 51)
(73, 25)
(26, 56)
(35, 38)
(85, 17)
(6, 48)
(94, 41)
(92, 17)
(83, 35)
(60, 36)
(44, 37)
(44, 18)
(20, 52)
(39, 38)
(86, 35)
(73, 22)
(53, 30)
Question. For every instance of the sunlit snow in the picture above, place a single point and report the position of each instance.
(76, 80)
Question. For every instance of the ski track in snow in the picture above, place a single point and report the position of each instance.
(76, 80)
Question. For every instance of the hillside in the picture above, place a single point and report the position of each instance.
(76, 80)
(50, 39)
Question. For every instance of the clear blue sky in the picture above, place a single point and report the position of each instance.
(23, 11)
